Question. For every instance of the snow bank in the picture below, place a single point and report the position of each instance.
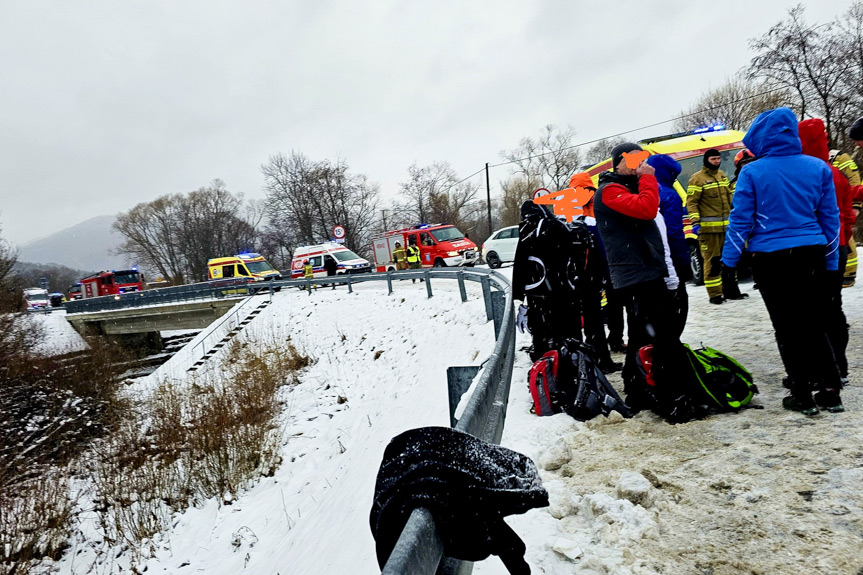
(58, 335)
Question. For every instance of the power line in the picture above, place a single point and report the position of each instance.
(701, 111)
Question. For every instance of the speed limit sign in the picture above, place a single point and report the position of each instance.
(339, 232)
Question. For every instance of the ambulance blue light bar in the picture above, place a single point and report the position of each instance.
(714, 128)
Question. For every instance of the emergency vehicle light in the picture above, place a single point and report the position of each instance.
(714, 128)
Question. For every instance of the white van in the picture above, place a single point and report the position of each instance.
(348, 262)
(37, 299)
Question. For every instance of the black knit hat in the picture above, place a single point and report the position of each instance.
(855, 132)
(618, 150)
(712, 152)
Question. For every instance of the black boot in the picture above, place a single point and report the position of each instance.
(729, 285)
(718, 299)
(829, 400)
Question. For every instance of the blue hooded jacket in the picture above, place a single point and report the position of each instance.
(671, 208)
(783, 200)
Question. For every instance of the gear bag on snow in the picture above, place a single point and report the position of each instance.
(718, 383)
(725, 384)
(567, 379)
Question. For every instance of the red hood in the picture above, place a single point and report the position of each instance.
(814, 138)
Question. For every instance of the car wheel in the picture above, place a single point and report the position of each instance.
(439, 263)
(697, 264)
(493, 260)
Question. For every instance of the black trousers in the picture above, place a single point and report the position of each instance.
(552, 319)
(594, 327)
(801, 316)
(615, 303)
(837, 329)
(680, 303)
(652, 320)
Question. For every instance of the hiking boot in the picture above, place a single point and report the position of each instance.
(829, 400)
(802, 405)
(738, 296)
(717, 299)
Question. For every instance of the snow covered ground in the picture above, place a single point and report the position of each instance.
(58, 335)
(762, 491)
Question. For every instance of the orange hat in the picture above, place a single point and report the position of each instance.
(581, 180)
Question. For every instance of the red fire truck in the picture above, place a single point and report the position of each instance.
(112, 282)
(440, 245)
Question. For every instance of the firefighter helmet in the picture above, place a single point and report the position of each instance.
(743, 157)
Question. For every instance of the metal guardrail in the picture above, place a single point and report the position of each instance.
(419, 550)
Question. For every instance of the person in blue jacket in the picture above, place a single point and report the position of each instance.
(671, 208)
(785, 208)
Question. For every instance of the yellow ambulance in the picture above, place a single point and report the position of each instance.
(246, 265)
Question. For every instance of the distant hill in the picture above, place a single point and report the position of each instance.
(85, 246)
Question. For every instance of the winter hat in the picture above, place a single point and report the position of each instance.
(531, 210)
(855, 132)
(618, 150)
(581, 180)
(712, 152)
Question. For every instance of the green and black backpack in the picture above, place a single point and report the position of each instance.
(726, 385)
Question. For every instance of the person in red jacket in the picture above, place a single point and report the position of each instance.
(626, 205)
(813, 137)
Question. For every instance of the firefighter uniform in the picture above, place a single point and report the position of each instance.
(845, 164)
(400, 257)
(708, 201)
(308, 271)
(414, 258)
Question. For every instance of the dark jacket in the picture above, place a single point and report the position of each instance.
(330, 265)
(625, 207)
(539, 268)
(467, 484)
(785, 199)
(671, 208)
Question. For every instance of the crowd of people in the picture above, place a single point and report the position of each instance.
(791, 205)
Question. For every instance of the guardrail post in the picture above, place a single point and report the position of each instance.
(428, 283)
(389, 282)
(350, 288)
(486, 295)
(458, 380)
(461, 287)
(498, 304)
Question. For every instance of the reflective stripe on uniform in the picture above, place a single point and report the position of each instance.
(845, 165)
(707, 224)
(713, 283)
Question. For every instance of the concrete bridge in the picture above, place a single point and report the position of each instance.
(140, 326)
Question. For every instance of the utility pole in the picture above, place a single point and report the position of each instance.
(488, 197)
(384, 215)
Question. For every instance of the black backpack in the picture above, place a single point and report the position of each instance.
(568, 380)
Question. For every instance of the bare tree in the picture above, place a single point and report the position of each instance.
(516, 190)
(307, 199)
(601, 150)
(551, 157)
(151, 231)
(176, 235)
(807, 61)
(734, 104)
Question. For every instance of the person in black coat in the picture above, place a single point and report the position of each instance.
(331, 266)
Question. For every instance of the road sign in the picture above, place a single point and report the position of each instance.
(339, 232)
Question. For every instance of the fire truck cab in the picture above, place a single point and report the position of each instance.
(440, 245)
(111, 282)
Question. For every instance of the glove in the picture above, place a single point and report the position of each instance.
(521, 320)
(696, 229)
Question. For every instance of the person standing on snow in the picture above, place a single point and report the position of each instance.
(539, 278)
(400, 257)
(331, 266)
(671, 208)
(626, 205)
(785, 213)
(413, 258)
(813, 137)
(843, 162)
(708, 202)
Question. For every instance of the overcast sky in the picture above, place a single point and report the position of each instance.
(107, 104)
